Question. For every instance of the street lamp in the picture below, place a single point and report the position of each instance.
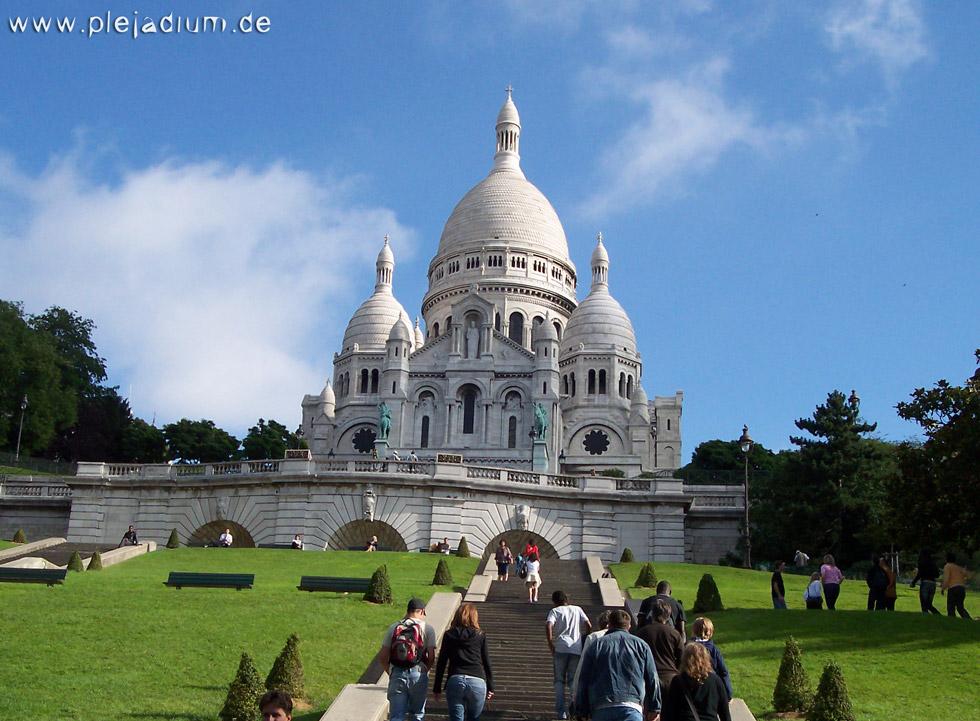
(23, 407)
(745, 443)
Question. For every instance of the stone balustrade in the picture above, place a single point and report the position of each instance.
(34, 487)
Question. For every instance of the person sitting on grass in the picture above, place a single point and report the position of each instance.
(276, 705)
(812, 595)
(704, 630)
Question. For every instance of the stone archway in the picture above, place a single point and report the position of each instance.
(517, 540)
(209, 533)
(358, 533)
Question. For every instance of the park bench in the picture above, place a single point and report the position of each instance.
(361, 548)
(238, 581)
(338, 584)
(50, 576)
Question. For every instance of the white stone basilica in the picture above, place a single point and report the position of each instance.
(504, 335)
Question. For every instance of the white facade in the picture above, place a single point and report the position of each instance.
(503, 332)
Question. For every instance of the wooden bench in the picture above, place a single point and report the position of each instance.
(361, 548)
(50, 576)
(338, 584)
(238, 581)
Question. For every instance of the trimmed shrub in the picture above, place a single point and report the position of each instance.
(242, 701)
(464, 550)
(20, 537)
(443, 575)
(627, 556)
(287, 670)
(613, 473)
(380, 589)
(709, 599)
(75, 562)
(95, 563)
(832, 702)
(647, 577)
(792, 692)
(173, 541)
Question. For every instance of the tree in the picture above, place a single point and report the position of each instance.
(242, 701)
(708, 598)
(725, 458)
(828, 497)
(142, 443)
(463, 549)
(84, 369)
(173, 541)
(287, 670)
(97, 434)
(95, 563)
(379, 591)
(444, 576)
(832, 702)
(792, 692)
(647, 577)
(627, 556)
(269, 440)
(200, 442)
(75, 562)
(935, 496)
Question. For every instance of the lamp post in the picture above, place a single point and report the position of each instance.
(745, 443)
(20, 429)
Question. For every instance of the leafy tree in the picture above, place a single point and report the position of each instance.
(832, 702)
(380, 589)
(726, 457)
(75, 562)
(830, 495)
(95, 563)
(444, 576)
(463, 549)
(792, 692)
(173, 541)
(84, 369)
(647, 577)
(709, 598)
(200, 442)
(269, 440)
(142, 443)
(97, 434)
(935, 498)
(242, 701)
(627, 556)
(287, 670)
(19, 536)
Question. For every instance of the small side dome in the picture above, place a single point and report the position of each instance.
(600, 254)
(640, 405)
(327, 395)
(400, 332)
(371, 324)
(419, 336)
(544, 331)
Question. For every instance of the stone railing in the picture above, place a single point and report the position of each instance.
(34, 487)
(716, 497)
(633, 484)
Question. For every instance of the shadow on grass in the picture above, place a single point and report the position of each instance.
(164, 715)
(309, 716)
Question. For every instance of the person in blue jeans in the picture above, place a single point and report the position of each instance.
(464, 651)
(563, 629)
(778, 589)
(408, 650)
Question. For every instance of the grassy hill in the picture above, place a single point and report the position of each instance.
(895, 664)
(119, 644)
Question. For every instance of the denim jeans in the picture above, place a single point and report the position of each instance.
(955, 597)
(927, 592)
(832, 592)
(465, 696)
(407, 689)
(565, 665)
(777, 603)
(617, 713)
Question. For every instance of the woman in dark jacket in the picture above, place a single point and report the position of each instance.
(470, 683)
(877, 583)
(926, 575)
(696, 692)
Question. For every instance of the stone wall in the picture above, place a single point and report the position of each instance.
(39, 518)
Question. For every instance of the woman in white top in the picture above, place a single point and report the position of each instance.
(812, 594)
(533, 579)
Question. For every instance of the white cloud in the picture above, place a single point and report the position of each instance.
(218, 291)
(889, 32)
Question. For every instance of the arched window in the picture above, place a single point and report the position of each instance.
(364, 380)
(496, 322)
(622, 385)
(602, 382)
(449, 323)
(435, 329)
(558, 329)
(629, 387)
(394, 386)
(512, 432)
(374, 381)
(516, 330)
(572, 377)
(668, 424)
(424, 440)
(564, 384)
(592, 382)
(469, 411)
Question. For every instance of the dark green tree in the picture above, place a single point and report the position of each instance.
(939, 479)
(463, 550)
(97, 434)
(244, 692)
(627, 556)
(95, 563)
(268, 440)
(832, 702)
(174, 540)
(84, 369)
(379, 590)
(142, 443)
(287, 670)
(792, 692)
(443, 575)
(75, 562)
(709, 598)
(716, 461)
(200, 442)
(647, 577)
(19, 536)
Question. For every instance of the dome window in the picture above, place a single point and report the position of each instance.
(516, 330)
(592, 382)
(602, 382)
(364, 380)
(424, 438)
(512, 432)
(374, 380)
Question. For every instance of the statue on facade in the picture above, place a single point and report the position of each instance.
(523, 517)
(368, 502)
(384, 421)
(221, 508)
(540, 421)
(472, 341)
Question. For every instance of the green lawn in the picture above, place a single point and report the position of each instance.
(6, 544)
(18, 471)
(118, 644)
(896, 664)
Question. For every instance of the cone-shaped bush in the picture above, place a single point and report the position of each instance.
(20, 537)
(463, 551)
(708, 597)
(832, 702)
(95, 563)
(75, 562)
(173, 541)
(792, 692)
(380, 589)
(443, 576)
(627, 556)
(242, 702)
(647, 577)
(287, 670)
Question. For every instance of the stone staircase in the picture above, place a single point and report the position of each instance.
(522, 670)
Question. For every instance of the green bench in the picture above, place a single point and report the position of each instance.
(50, 576)
(238, 581)
(338, 584)
(361, 548)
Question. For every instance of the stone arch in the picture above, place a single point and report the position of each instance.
(209, 533)
(357, 533)
(517, 539)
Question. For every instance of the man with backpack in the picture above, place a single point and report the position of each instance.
(408, 650)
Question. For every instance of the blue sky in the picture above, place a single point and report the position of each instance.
(788, 191)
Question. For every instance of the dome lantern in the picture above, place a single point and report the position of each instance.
(600, 264)
(386, 267)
